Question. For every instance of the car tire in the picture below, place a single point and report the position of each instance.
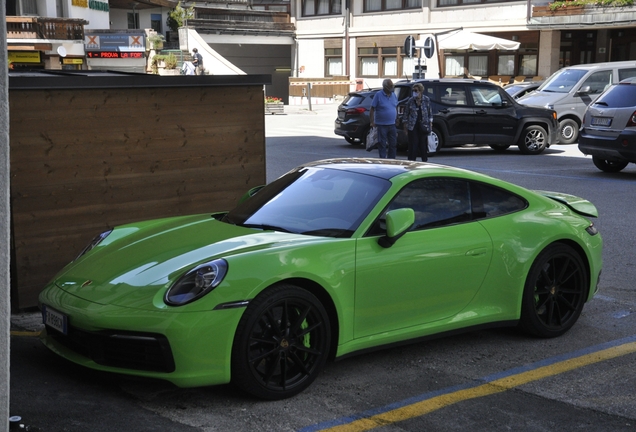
(281, 343)
(533, 140)
(555, 291)
(568, 131)
(609, 166)
(499, 148)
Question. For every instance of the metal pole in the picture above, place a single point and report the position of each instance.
(309, 94)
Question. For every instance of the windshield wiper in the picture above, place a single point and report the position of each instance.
(267, 227)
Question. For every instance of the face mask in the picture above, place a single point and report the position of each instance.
(415, 94)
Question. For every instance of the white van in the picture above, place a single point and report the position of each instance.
(570, 90)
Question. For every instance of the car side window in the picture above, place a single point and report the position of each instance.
(436, 201)
(453, 95)
(598, 82)
(489, 201)
(626, 73)
(485, 96)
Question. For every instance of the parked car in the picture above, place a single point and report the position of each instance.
(353, 116)
(609, 128)
(520, 89)
(482, 113)
(324, 262)
(570, 90)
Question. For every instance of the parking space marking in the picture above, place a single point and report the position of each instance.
(423, 404)
(25, 333)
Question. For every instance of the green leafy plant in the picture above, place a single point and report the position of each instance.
(274, 100)
(606, 3)
(178, 16)
(156, 41)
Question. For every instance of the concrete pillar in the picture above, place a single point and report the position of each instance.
(5, 308)
(549, 48)
(602, 45)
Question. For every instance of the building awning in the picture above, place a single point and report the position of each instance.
(21, 46)
(465, 40)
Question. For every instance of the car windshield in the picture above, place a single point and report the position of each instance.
(563, 81)
(312, 201)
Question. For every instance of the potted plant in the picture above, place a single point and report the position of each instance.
(156, 41)
(274, 105)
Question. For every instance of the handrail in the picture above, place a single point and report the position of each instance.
(20, 27)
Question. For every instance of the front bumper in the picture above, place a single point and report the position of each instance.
(188, 349)
(618, 149)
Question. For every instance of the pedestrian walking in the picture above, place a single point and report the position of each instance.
(383, 115)
(417, 119)
(197, 61)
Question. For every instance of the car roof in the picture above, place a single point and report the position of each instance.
(387, 168)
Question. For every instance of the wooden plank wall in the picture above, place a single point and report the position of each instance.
(86, 160)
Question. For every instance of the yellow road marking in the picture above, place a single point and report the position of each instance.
(25, 333)
(497, 386)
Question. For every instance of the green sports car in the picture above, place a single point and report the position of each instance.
(334, 258)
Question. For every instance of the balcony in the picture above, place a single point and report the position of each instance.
(242, 21)
(21, 27)
(578, 16)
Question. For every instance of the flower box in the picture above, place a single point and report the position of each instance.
(274, 108)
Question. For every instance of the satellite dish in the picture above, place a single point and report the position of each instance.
(61, 51)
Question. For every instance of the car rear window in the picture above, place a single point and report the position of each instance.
(354, 100)
(618, 96)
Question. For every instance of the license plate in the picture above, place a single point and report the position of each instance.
(601, 121)
(55, 319)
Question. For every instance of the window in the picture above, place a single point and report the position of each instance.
(454, 65)
(435, 201)
(626, 73)
(528, 64)
(453, 95)
(321, 7)
(133, 20)
(598, 82)
(155, 22)
(506, 65)
(478, 65)
(489, 201)
(384, 5)
(333, 61)
(384, 62)
(485, 96)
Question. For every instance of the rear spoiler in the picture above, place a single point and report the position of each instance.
(576, 204)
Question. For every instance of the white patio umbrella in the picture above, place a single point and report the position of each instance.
(465, 40)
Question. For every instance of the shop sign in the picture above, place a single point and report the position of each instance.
(24, 57)
(72, 61)
(119, 42)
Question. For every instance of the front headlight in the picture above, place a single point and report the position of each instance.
(97, 240)
(196, 283)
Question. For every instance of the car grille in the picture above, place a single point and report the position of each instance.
(129, 350)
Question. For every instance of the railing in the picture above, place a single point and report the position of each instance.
(20, 27)
(243, 19)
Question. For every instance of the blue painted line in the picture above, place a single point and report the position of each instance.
(471, 384)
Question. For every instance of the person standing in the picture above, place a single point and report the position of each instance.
(417, 119)
(382, 115)
(197, 61)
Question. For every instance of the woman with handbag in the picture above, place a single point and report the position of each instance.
(417, 119)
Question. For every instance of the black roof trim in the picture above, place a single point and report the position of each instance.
(60, 79)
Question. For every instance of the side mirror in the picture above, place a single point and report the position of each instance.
(250, 193)
(398, 222)
(584, 90)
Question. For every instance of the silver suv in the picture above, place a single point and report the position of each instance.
(609, 128)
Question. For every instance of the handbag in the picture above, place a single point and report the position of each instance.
(432, 145)
(372, 139)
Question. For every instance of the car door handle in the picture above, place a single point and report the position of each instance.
(476, 252)
(444, 110)
(481, 112)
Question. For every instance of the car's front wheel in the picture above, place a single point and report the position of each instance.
(555, 292)
(281, 343)
(568, 131)
(608, 165)
(533, 140)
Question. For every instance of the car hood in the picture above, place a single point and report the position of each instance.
(541, 98)
(135, 264)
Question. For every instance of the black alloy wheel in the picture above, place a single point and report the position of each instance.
(608, 165)
(555, 291)
(533, 140)
(281, 343)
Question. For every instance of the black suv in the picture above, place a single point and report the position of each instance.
(482, 113)
(353, 116)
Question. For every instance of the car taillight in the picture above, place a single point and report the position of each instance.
(358, 110)
(632, 120)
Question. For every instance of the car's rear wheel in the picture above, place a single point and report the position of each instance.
(608, 165)
(568, 131)
(554, 293)
(281, 343)
(533, 140)
(499, 148)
